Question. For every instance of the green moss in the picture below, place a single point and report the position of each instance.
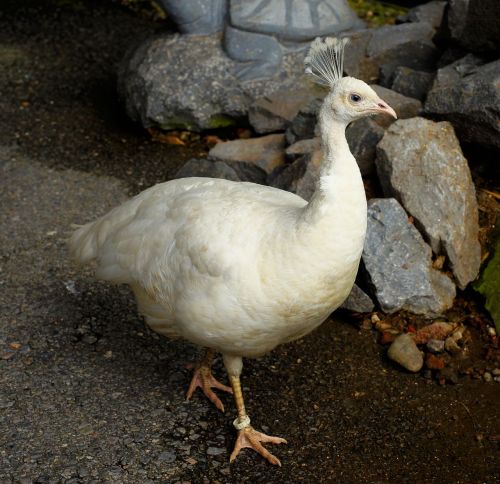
(489, 283)
(376, 13)
(178, 123)
(220, 121)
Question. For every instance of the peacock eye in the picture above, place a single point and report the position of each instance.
(355, 98)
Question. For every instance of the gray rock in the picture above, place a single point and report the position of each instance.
(405, 107)
(234, 171)
(196, 16)
(216, 451)
(300, 177)
(395, 37)
(431, 12)
(412, 83)
(184, 81)
(399, 264)
(208, 169)
(421, 164)
(303, 147)
(276, 111)
(356, 62)
(266, 152)
(168, 456)
(292, 21)
(474, 24)
(404, 351)
(435, 346)
(303, 125)
(408, 45)
(468, 96)
(358, 301)
(363, 136)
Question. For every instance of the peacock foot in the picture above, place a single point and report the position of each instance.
(204, 379)
(249, 437)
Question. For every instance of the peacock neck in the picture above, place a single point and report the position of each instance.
(339, 183)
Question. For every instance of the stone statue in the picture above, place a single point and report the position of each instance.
(256, 33)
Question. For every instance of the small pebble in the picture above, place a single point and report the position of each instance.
(215, 451)
(434, 362)
(167, 456)
(496, 372)
(404, 351)
(487, 376)
(451, 346)
(435, 346)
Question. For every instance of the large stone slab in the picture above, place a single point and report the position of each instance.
(405, 107)
(412, 83)
(299, 177)
(474, 24)
(399, 263)
(184, 81)
(431, 12)
(234, 171)
(207, 169)
(374, 54)
(421, 164)
(468, 95)
(358, 301)
(363, 136)
(276, 111)
(266, 152)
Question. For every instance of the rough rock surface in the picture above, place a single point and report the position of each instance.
(303, 147)
(303, 125)
(358, 301)
(299, 177)
(207, 168)
(405, 107)
(412, 83)
(408, 45)
(277, 110)
(431, 12)
(375, 53)
(468, 96)
(404, 351)
(188, 81)
(474, 24)
(267, 152)
(421, 164)
(363, 136)
(399, 265)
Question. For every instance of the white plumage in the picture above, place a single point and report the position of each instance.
(238, 267)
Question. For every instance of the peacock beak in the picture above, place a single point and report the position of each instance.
(383, 107)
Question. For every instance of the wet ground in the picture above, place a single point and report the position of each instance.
(87, 393)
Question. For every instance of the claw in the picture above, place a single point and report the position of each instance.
(249, 437)
(204, 379)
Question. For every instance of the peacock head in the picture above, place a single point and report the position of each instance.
(349, 98)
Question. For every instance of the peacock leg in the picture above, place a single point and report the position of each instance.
(203, 378)
(247, 435)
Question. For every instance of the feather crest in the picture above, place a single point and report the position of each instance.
(325, 60)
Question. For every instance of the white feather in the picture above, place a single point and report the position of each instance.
(325, 60)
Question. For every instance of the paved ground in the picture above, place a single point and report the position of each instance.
(87, 393)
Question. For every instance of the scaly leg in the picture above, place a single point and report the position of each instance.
(247, 435)
(204, 379)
